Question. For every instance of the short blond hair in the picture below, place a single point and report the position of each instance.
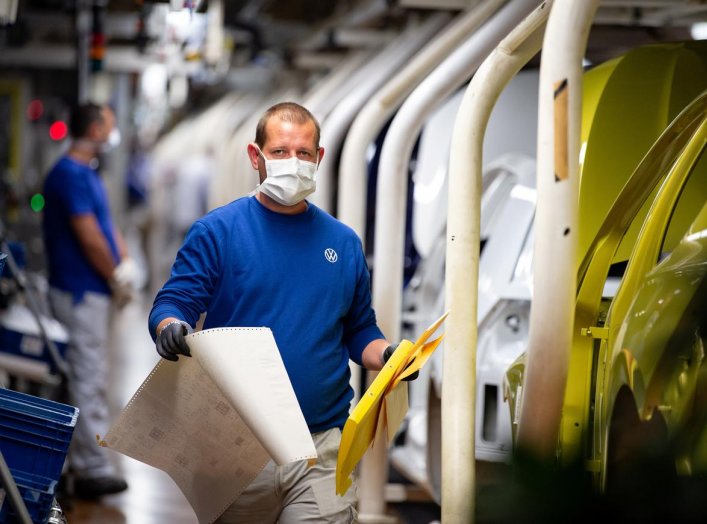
(288, 112)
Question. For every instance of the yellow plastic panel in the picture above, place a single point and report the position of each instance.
(645, 91)
(384, 404)
(594, 82)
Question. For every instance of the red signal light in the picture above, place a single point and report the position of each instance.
(35, 110)
(58, 130)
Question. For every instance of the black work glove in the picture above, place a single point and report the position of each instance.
(171, 343)
(388, 353)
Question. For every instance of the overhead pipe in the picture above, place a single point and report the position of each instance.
(369, 64)
(365, 13)
(359, 37)
(369, 79)
(392, 198)
(362, 15)
(234, 108)
(556, 221)
(325, 94)
(353, 173)
(462, 268)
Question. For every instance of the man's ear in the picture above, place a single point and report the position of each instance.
(320, 153)
(254, 155)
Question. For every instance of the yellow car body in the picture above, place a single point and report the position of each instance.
(637, 357)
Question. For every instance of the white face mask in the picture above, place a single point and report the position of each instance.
(289, 181)
(112, 142)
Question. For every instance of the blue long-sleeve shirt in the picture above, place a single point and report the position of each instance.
(304, 276)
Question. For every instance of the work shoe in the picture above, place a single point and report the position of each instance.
(93, 488)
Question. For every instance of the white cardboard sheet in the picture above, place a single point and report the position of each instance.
(214, 420)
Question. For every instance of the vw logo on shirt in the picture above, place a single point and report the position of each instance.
(331, 255)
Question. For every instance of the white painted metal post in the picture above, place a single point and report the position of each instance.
(555, 253)
(462, 270)
(392, 197)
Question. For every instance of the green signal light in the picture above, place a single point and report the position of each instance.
(37, 202)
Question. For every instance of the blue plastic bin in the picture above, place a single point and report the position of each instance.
(29, 346)
(35, 433)
(37, 493)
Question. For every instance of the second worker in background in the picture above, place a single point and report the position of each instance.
(88, 265)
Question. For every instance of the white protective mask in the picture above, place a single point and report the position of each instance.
(113, 141)
(289, 180)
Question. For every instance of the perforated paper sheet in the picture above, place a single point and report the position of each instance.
(214, 420)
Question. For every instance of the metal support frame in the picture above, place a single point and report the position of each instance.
(391, 203)
(462, 269)
(556, 222)
(13, 493)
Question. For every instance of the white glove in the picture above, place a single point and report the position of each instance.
(123, 283)
(126, 273)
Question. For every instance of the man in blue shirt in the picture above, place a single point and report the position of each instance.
(88, 263)
(276, 260)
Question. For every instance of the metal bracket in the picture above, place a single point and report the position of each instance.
(596, 332)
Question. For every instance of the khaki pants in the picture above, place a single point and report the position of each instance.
(296, 493)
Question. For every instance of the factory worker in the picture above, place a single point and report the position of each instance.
(88, 265)
(274, 259)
